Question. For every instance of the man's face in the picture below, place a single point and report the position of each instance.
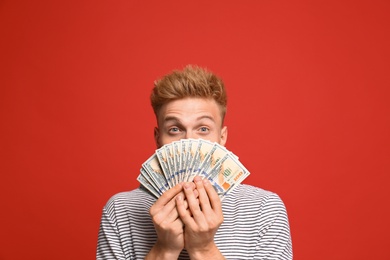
(190, 118)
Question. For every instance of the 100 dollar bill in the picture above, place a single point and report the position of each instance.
(181, 161)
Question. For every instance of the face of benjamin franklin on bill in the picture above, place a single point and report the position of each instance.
(190, 118)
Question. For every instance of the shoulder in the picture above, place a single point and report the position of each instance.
(249, 192)
(134, 199)
(248, 196)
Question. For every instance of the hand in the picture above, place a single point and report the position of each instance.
(202, 220)
(168, 225)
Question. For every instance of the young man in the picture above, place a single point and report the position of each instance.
(189, 221)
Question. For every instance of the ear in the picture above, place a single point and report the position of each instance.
(157, 137)
(224, 135)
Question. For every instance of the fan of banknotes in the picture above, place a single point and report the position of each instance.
(181, 161)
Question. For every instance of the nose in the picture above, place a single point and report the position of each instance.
(190, 135)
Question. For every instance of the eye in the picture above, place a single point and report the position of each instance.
(204, 129)
(174, 130)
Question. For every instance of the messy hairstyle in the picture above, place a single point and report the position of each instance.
(192, 81)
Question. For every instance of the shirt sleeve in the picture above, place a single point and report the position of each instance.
(274, 234)
(109, 243)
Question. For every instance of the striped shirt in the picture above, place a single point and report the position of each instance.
(255, 226)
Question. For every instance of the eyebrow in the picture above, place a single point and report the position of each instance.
(175, 119)
(206, 117)
(171, 118)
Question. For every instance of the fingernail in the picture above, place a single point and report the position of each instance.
(206, 181)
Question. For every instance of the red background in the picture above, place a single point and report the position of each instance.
(308, 113)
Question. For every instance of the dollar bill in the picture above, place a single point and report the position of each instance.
(148, 184)
(226, 173)
(152, 168)
(180, 161)
(163, 161)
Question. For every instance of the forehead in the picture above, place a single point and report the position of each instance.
(190, 109)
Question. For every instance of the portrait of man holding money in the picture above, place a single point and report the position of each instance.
(191, 203)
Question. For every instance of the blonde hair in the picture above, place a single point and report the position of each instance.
(192, 81)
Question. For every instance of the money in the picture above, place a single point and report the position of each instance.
(181, 161)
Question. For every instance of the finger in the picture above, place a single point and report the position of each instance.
(169, 194)
(193, 187)
(185, 215)
(193, 202)
(166, 200)
(196, 193)
(173, 214)
(214, 199)
(203, 197)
